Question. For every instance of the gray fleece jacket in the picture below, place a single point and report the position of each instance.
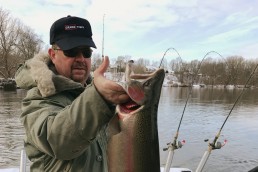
(64, 121)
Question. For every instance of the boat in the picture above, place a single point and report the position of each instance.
(8, 84)
(23, 161)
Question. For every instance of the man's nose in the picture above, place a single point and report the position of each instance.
(79, 57)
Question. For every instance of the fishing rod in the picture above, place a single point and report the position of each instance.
(171, 48)
(215, 144)
(103, 37)
(172, 146)
(175, 145)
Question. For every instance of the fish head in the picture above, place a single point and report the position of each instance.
(144, 91)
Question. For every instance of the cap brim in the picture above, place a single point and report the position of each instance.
(69, 43)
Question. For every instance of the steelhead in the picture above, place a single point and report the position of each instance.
(133, 144)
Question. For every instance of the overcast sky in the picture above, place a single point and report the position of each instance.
(147, 28)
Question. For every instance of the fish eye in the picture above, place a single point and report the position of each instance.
(147, 83)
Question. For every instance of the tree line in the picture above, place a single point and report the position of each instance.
(232, 70)
(19, 43)
(211, 70)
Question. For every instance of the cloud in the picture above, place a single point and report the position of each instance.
(146, 28)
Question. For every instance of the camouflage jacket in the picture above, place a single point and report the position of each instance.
(64, 121)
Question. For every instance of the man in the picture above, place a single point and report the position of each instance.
(64, 118)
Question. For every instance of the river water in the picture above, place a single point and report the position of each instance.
(204, 115)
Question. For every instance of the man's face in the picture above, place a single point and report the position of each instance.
(76, 68)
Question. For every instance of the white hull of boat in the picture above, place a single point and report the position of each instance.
(161, 170)
(23, 166)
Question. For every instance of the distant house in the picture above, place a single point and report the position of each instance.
(150, 69)
(171, 80)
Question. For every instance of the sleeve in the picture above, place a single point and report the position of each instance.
(65, 132)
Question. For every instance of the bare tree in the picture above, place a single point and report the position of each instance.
(96, 60)
(140, 65)
(176, 64)
(17, 44)
(235, 64)
(28, 43)
(8, 38)
(248, 68)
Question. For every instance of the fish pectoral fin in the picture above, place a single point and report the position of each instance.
(113, 126)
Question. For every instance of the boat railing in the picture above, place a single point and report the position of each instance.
(23, 161)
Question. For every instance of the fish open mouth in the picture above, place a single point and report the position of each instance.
(128, 107)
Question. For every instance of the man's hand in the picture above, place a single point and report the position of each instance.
(110, 90)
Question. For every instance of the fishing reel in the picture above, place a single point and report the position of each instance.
(175, 145)
(217, 144)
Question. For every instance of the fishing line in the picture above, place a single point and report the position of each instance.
(191, 86)
(175, 145)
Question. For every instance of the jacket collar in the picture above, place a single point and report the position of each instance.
(40, 72)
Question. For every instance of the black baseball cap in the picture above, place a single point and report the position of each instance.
(70, 32)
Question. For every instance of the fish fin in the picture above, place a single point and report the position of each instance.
(113, 126)
(136, 92)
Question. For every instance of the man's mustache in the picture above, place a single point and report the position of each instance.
(79, 65)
